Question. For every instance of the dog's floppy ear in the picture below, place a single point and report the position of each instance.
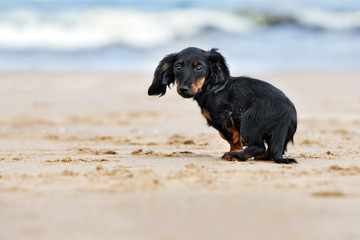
(163, 76)
(219, 71)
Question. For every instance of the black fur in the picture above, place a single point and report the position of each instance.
(246, 111)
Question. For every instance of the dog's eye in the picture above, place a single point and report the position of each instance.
(178, 67)
(199, 68)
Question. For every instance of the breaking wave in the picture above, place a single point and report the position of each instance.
(103, 27)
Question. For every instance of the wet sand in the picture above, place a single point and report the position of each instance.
(90, 156)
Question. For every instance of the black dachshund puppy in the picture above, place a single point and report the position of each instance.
(246, 111)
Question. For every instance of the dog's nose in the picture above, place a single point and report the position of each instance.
(183, 89)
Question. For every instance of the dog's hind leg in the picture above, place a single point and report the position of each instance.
(277, 146)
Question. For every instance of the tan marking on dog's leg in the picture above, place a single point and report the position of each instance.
(234, 146)
(263, 156)
(236, 142)
(206, 114)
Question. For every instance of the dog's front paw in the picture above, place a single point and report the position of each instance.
(228, 157)
(235, 156)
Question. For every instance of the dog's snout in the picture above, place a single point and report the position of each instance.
(183, 89)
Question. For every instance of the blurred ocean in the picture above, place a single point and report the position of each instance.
(124, 35)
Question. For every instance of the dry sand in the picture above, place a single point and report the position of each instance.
(91, 156)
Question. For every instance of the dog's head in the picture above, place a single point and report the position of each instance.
(192, 70)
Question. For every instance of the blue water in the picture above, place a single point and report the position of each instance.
(254, 36)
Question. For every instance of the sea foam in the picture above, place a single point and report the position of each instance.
(103, 27)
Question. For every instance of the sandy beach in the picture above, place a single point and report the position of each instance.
(88, 155)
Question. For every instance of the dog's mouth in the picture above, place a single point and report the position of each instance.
(186, 94)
